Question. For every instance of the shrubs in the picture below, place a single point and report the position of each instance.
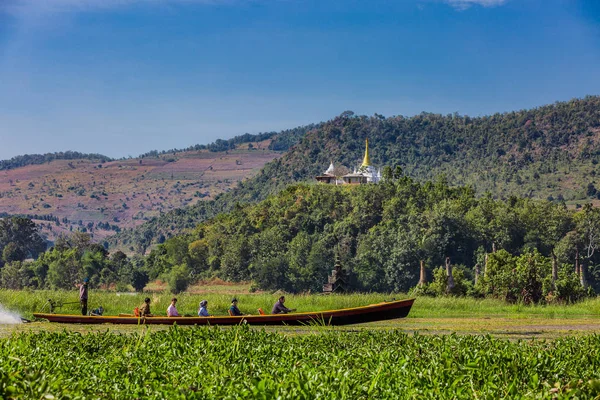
(439, 285)
(525, 279)
(567, 287)
(528, 279)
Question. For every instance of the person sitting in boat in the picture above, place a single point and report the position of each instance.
(234, 310)
(97, 312)
(203, 311)
(279, 308)
(172, 310)
(145, 308)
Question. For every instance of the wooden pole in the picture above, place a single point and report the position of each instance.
(554, 270)
(422, 277)
(485, 264)
(450, 277)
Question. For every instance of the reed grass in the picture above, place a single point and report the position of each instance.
(28, 302)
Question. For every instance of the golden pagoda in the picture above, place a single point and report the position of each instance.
(366, 160)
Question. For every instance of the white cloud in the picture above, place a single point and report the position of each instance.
(464, 4)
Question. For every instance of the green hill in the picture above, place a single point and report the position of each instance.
(550, 152)
(381, 233)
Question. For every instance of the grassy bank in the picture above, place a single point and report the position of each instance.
(236, 363)
(27, 302)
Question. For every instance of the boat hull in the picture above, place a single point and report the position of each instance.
(374, 312)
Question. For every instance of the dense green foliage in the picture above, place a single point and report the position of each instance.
(33, 159)
(242, 363)
(549, 152)
(67, 264)
(382, 233)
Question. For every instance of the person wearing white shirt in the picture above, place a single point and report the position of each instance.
(172, 310)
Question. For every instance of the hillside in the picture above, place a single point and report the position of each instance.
(105, 197)
(550, 152)
(71, 191)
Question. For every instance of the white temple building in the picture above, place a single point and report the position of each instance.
(366, 173)
(329, 176)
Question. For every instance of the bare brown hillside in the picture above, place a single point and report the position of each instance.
(106, 197)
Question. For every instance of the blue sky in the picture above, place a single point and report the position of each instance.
(122, 77)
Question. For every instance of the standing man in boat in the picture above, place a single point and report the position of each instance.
(83, 296)
(279, 308)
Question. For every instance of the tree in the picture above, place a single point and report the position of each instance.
(588, 226)
(139, 279)
(591, 190)
(64, 269)
(339, 171)
(198, 256)
(24, 236)
(300, 274)
(179, 278)
(80, 240)
(16, 275)
(236, 259)
(12, 252)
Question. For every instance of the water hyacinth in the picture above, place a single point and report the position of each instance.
(212, 362)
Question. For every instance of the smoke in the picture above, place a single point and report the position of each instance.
(8, 317)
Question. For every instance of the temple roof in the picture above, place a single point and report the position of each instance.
(330, 169)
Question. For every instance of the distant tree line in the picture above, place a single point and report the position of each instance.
(67, 263)
(282, 141)
(34, 159)
(45, 217)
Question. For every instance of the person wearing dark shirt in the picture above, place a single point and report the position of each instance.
(279, 308)
(234, 310)
(145, 308)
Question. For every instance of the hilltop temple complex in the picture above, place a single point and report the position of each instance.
(366, 173)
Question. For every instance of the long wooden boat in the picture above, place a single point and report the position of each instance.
(357, 315)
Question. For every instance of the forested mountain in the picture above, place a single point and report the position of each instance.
(550, 152)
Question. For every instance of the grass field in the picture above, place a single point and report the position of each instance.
(428, 315)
